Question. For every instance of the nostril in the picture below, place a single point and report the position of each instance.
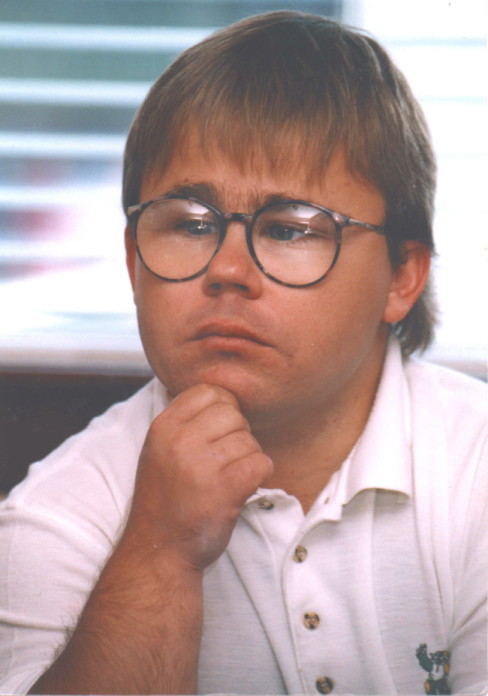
(218, 287)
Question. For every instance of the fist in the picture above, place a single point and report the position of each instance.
(198, 466)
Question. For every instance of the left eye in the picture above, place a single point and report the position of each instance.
(284, 233)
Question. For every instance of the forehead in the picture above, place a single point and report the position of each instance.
(216, 179)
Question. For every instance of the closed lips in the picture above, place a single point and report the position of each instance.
(230, 331)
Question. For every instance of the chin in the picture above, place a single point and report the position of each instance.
(244, 388)
(236, 379)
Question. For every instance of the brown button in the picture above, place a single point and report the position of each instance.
(300, 554)
(324, 685)
(265, 504)
(311, 620)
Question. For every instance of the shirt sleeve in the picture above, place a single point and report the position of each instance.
(48, 569)
(57, 529)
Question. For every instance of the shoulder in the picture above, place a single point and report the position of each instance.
(455, 396)
(59, 525)
(449, 414)
(88, 480)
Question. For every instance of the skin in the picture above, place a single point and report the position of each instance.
(306, 387)
(258, 373)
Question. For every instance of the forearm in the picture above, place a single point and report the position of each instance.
(139, 632)
(141, 628)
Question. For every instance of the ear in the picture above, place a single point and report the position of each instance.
(130, 255)
(408, 281)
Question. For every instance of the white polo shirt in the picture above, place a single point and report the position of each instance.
(392, 556)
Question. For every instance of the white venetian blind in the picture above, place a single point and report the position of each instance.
(72, 73)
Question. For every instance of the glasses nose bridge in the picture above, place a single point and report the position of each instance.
(245, 218)
(224, 220)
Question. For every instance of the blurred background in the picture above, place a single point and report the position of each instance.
(72, 73)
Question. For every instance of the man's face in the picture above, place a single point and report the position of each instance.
(285, 352)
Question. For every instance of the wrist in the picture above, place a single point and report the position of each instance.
(145, 547)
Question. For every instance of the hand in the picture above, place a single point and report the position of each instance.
(198, 466)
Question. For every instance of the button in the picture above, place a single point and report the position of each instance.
(324, 685)
(311, 620)
(265, 504)
(300, 554)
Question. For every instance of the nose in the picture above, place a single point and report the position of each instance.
(233, 268)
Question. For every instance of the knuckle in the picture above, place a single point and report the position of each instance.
(262, 465)
(199, 398)
(165, 438)
(221, 394)
(227, 412)
(250, 471)
(233, 447)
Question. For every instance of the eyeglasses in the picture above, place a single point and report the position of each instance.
(294, 243)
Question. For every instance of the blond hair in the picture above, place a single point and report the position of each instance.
(291, 87)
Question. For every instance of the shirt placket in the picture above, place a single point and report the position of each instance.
(307, 614)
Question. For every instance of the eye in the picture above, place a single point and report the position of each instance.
(281, 232)
(196, 227)
(295, 226)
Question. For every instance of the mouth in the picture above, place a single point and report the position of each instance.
(228, 333)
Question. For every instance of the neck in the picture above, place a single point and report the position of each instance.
(308, 447)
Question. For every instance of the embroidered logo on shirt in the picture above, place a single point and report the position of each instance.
(437, 665)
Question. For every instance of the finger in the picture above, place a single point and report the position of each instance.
(234, 446)
(196, 399)
(217, 421)
(245, 475)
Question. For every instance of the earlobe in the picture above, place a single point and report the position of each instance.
(130, 255)
(408, 281)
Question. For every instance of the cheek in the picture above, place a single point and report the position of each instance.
(365, 299)
(369, 283)
(356, 301)
(156, 313)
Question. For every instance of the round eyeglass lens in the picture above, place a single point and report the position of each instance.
(177, 238)
(295, 243)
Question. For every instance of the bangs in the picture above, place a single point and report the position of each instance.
(287, 98)
(256, 143)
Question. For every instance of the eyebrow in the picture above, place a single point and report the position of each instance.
(209, 193)
(202, 190)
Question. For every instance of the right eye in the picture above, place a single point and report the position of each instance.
(195, 227)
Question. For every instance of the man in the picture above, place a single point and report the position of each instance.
(299, 507)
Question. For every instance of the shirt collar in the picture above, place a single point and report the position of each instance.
(381, 458)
